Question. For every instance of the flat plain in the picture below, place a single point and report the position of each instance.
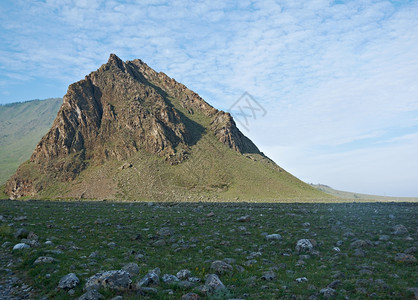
(349, 250)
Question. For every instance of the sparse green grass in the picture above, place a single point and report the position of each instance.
(198, 240)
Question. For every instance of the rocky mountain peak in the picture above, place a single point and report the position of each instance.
(118, 110)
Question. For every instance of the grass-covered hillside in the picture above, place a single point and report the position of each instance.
(21, 127)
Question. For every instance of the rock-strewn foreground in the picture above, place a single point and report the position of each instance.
(126, 131)
(101, 250)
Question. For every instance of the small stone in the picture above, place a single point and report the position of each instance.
(268, 276)
(32, 236)
(91, 295)
(246, 218)
(165, 231)
(328, 293)
(211, 214)
(190, 296)
(405, 258)
(68, 282)
(213, 283)
(384, 237)
(159, 243)
(152, 278)
(117, 280)
(44, 260)
(414, 291)
(273, 237)
(132, 268)
(359, 253)
(361, 244)
(21, 246)
(169, 278)
(399, 230)
(334, 284)
(410, 250)
(304, 245)
(220, 267)
(20, 218)
(183, 274)
(301, 279)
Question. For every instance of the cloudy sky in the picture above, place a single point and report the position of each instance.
(333, 85)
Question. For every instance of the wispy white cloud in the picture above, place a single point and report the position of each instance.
(332, 76)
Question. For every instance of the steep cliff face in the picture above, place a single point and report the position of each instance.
(116, 111)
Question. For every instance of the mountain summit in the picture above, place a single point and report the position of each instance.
(126, 131)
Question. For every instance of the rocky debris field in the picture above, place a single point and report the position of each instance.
(104, 250)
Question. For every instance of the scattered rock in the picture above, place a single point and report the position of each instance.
(213, 283)
(165, 231)
(268, 276)
(152, 278)
(220, 267)
(273, 237)
(44, 260)
(21, 246)
(399, 230)
(117, 280)
(361, 244)
(328, 293)
(68, 282)
(132, 268)
(183, 274)
(169, 278)
(246, 218)
(91, 295)
(359, 253)
(304, 245)
(414, 291)
(384, 237)
(335, 284)
(410, 250)
(406, 258)
(301, 279)
(125, 166)
(190, 296)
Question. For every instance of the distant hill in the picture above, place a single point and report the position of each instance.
(360, 197)
(129, 132)
(22, 125)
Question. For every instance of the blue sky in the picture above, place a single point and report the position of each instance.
(337, 79)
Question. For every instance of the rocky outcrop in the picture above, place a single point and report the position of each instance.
(114, 112)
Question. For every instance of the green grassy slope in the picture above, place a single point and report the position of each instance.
(21, 127)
